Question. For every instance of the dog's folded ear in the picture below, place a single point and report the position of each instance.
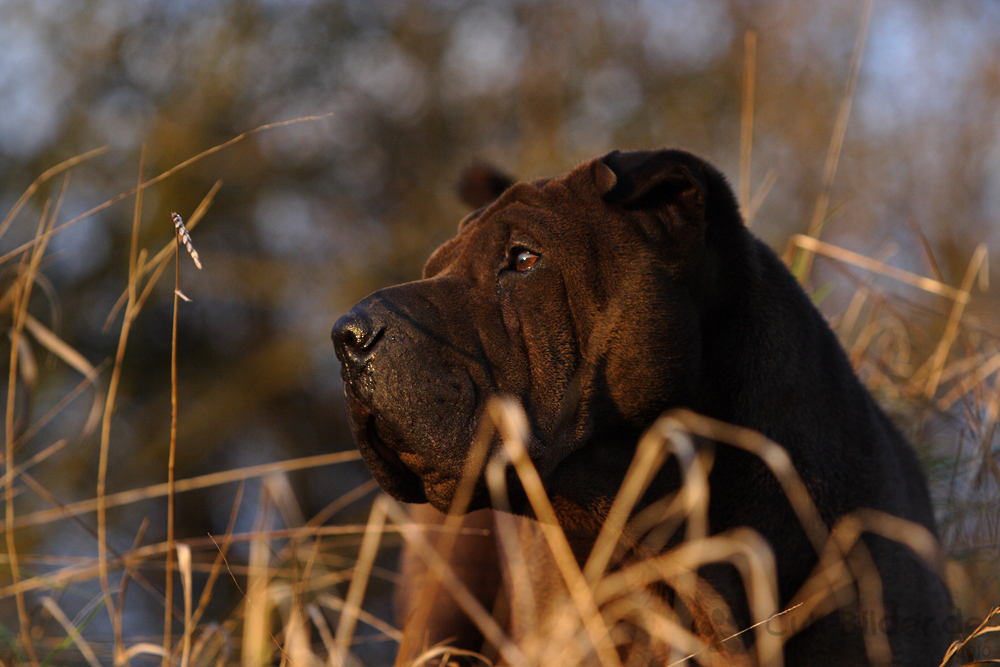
(480, 184)
(665, 181)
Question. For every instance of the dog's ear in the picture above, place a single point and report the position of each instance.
(668, 183)
(480, 184)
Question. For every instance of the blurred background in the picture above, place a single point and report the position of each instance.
(313, 216)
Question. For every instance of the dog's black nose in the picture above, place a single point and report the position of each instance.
(354, 337)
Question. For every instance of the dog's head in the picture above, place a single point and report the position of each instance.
(579, 296)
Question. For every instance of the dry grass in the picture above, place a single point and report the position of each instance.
(291, 579)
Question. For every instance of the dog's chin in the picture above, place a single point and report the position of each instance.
(387, 468)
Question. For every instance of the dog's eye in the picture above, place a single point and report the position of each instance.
(524, 260)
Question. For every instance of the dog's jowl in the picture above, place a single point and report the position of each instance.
(598, 300)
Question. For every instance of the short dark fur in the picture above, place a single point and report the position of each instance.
(648, 293)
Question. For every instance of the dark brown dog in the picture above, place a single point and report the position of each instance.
(600, 299)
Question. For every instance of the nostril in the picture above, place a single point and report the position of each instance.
(354, 336)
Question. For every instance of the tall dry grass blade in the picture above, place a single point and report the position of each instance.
(340, 503)
(119, 657)
(359, 581)
(102, 470)
(37, 183)
(280, 490)
(859, 568)
(858, 300)
(803, 261)
(979, 631)
(213, 575)
(770, 178)
(184, 567)
(413, 640)
(688, 506)
(869, 264)
(298, 648)
(993, 405)
(483, 620)
(254, 650)
(926, 245)
(143, 648)
(169, 594)
(118, 558)
(336, 604)
(190, 484)
(978, 376)
(249, 603)
(441, 656)
(75, 360)
(87, 569)
(752, 627)
(319, 622)
(159, 262)
(22, 296)
(212, 637)
(940, 355)
(746, 119)
(72, 632)
(523, 606)
(743, 548)
(776, 459)
(513, 427)
(54, 448)
(167, 174)
(136, 217)
(649, 457)
(844, 562)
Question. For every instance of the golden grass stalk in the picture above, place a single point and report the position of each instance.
(513, 427)
(978, 376)
(184, 566)
(189, 484)
(482, 618)
(647, 461)
(143, 648)
(159, 261)
(940, 355)
(130, 313)
(21, 297)
(71, 631)
(978, 632)
(75, 360)
(206, 593)
(441, 655)
(510, 544)
(166, 174)
(84, 569)
(255, 647)
(322, 627)
(37, 183)
(179, 234)
(803, 261)
(741, 547)
(359, 582)
(120, 654)
(336, 604)
(770, 178)
(875, 266)
(415, 629)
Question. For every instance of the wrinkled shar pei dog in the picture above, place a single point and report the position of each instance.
(598, 300)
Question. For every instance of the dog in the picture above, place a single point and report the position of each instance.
(598, 300)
